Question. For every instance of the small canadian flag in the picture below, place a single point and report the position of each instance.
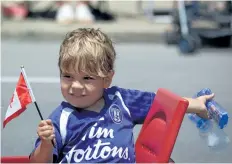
(21, 98)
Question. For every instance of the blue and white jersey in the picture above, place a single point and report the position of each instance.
(105, 137)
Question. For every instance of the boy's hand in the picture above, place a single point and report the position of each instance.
(46, 131)
(201, 109)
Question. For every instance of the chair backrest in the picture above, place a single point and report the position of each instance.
(161, 127)
(15, 159)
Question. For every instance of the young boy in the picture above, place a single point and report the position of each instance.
(96, 122)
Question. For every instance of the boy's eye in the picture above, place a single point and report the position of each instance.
(88, 78)
(66, 76)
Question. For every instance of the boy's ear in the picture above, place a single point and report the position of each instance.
(108, 79)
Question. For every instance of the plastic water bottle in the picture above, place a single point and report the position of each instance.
(215, 137)
(216, 111)
(211, 130)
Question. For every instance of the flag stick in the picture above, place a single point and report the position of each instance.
(41, 117)
(32, 95)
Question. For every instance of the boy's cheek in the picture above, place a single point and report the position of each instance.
(64, 83)
(64, 87)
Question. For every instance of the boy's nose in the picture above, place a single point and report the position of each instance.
(77, 86)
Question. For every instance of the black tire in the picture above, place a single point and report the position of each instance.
(220, 42)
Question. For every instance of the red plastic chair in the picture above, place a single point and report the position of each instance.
(15, 159)
(161, 127)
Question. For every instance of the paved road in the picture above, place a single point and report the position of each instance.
(141, 66)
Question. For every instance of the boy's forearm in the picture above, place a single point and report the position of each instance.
(191, 107)
(43, 153)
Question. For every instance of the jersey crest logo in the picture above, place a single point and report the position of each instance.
(116, 114)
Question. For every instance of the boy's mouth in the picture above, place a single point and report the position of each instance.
(77, 96)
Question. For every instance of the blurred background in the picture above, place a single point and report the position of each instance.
(208, 22)
(183, 47)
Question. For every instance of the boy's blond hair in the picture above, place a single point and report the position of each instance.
(87, 50)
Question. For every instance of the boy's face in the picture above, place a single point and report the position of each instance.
(82, 90)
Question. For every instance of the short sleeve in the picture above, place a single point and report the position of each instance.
(138, 102)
